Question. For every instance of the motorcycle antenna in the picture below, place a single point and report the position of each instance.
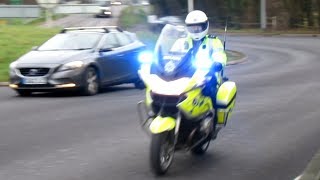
(224, 45)
(225, 34)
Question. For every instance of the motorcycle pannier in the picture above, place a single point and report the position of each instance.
(226, 98)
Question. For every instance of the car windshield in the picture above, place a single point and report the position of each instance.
(71, 41)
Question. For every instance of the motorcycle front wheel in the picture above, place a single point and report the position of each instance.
(161, 153)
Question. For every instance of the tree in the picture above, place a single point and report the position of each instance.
(250, 13)
(168, 7)
(308, 11)
(318, 7)
(295, 12)
(245, 13)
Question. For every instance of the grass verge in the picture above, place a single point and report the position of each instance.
(28, 21)
(17, 40)
(41, 20)
(234, 55)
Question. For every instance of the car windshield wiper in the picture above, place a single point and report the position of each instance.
(81, 49)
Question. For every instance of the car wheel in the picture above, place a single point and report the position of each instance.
(23, 92)
(91, 82)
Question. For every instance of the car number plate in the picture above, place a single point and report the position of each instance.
(35, 80)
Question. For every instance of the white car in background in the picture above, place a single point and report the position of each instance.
(105, 9)
(116, 3)
(144, 2)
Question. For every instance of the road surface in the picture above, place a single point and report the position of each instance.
(273, 133)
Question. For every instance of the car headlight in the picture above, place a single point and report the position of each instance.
(12, 68)
(72, 65)
(13, 65)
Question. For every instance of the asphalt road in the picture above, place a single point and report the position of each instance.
(272, 135)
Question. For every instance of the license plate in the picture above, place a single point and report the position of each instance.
(35, 80)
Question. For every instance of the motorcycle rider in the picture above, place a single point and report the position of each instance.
(206, 45)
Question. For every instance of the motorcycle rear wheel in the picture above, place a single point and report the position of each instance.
(161, 153)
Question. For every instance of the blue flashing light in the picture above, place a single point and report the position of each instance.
(145, 57)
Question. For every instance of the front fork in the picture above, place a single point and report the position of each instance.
(148, 124)
(176, 130)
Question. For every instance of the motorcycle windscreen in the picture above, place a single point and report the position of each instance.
(171, 48)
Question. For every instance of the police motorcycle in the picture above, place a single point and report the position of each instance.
(177, 112)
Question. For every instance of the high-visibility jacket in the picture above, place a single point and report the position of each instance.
(212, 47)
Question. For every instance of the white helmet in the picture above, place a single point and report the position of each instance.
(197, 24)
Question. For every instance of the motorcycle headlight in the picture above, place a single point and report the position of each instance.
(72, 65)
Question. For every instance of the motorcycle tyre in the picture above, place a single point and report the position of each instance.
(157, 142)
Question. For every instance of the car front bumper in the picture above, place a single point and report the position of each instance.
(70, 79)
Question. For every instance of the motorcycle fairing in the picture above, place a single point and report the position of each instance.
(162, 124)
(226, 101)
(195, 104)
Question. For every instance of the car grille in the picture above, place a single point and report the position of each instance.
(34, 71)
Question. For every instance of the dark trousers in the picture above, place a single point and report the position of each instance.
(211, 90)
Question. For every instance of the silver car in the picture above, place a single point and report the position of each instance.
(84, 59)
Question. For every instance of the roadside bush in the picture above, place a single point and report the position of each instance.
(132, 16)
(148, 38)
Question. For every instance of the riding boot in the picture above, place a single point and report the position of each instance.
(213, 95)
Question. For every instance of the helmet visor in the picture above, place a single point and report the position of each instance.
(197, 28)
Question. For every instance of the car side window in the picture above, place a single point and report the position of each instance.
(110, 41)
(124, 39)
